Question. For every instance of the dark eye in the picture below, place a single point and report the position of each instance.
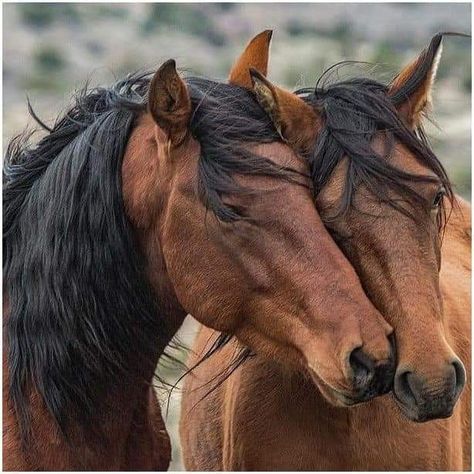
(438, 199)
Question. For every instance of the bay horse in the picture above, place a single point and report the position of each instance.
(385, 198)
(148, 200)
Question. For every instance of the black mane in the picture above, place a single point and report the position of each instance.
(226, 119)
(353, 112)
(79, 298)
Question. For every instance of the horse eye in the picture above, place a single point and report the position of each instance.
(438, 198)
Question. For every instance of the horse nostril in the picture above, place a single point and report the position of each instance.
(425, 398)
(403, 389)
(362, 368)
(460, 376)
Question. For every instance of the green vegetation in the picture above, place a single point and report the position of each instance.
(192, 19)
(41, 15)
(467, 80)
(461, 177)
(44, 84)
(105, 10)
(49, 59)
(225, 7)
(298, 28)
(385, 55)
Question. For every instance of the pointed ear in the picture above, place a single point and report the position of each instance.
(254, 56)
(294, 119)
(169, 102)
(411, 89)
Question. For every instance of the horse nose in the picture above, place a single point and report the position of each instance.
(423, 400)
(371, 377)
(363, 368)
(460, 377)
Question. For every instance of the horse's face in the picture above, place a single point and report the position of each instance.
(398, 260)
(397, 256)
(276, 281)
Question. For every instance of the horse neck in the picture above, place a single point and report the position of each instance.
(146, 188)
(129, 418)
(125, 400)
(133, 432)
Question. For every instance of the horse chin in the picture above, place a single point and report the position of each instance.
(417, 417)
(332, 395)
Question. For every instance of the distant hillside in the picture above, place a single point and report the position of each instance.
(51, 49)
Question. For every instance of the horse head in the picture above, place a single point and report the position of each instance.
(384, 197)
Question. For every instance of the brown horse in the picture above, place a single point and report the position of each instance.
(145, 202)
(383, 195)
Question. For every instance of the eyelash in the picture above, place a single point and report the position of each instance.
(438, 198)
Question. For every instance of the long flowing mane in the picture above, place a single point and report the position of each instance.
(75, 279)
(79, 298)
(353, 112)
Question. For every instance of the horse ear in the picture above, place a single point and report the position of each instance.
(410, 91)
(169, 102)
(254, 56)
(295, 120)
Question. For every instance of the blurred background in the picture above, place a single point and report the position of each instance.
(49, 50)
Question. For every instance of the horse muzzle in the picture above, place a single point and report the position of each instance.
(371, 378)
(367, 378)
(421, 399)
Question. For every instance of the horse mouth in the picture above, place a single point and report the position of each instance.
(339, 397)
(345, 399)
(334, 395)
(422, 416)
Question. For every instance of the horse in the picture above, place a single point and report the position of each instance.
(385, 198)
(154, 198)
